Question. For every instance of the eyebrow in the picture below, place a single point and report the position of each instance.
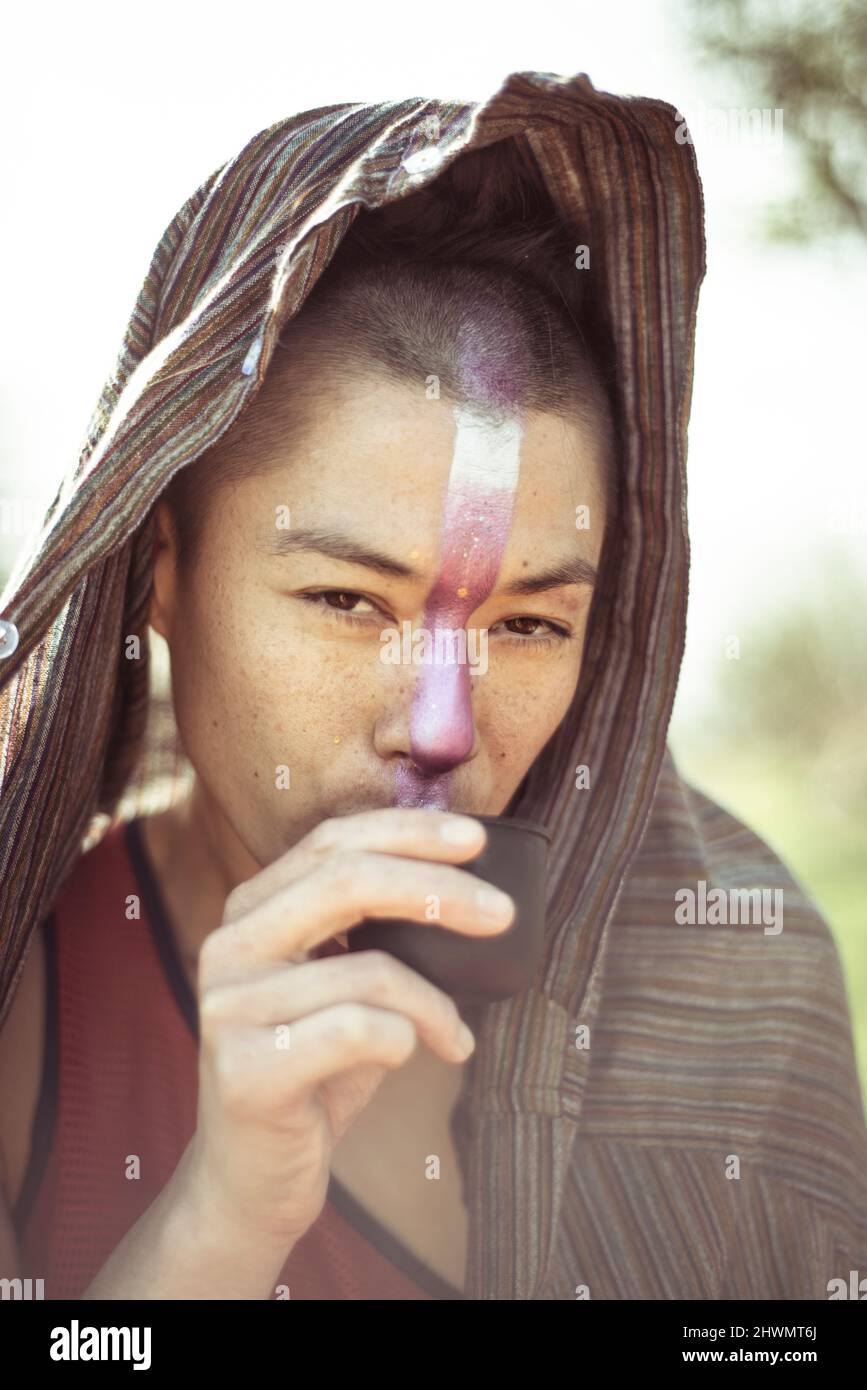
(573, 569)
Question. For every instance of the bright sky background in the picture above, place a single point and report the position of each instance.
(113, 114)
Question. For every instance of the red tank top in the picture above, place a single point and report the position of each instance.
(120, 1079)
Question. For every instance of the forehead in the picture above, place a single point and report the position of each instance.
(381, 454)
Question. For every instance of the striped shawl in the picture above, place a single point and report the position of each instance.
(670, 1111)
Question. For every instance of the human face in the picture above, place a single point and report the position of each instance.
(287, 703)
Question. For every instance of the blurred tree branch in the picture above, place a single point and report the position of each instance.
(799, 687)
(811, 62)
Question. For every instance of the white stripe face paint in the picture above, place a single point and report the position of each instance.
(477, 516)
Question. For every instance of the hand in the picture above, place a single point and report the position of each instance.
(293, 1048)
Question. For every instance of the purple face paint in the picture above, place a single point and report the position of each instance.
(477, 515)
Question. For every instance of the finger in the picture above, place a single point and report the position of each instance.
(341, 893)
(266, 1071)
(409, 831)
(288, 993)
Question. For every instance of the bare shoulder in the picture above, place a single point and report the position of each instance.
(21, 1058)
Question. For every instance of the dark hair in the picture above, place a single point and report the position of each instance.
(474, 269)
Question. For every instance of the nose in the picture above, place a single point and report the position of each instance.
(477, 515)
(442, 718)
(428, 720)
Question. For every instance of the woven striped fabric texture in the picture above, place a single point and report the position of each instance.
(605, 1106)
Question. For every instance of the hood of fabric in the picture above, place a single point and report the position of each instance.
(87, 733)
(603, 1173)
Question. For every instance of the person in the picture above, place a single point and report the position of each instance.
(421, 364)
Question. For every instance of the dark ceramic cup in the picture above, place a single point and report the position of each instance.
(478, 969)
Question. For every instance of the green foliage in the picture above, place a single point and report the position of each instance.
(810, 61)
(784, 747)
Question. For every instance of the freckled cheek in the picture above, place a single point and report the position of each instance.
(522, 701)
(296, 681)
(226, 661)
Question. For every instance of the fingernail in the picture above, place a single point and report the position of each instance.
(460, 832)
(466, 1040)
(494, 904)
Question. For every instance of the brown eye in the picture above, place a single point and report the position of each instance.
(340, 594)
(340, 602)
(546, 634)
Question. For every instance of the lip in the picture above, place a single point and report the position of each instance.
(355, 808)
